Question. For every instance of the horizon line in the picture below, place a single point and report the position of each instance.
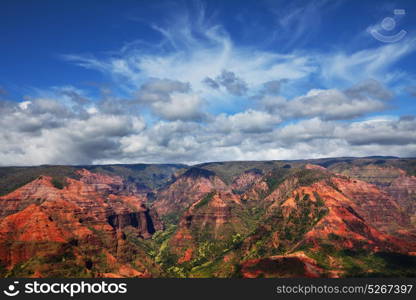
(209, 162)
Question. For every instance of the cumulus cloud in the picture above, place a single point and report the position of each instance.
(250, 121)
(159, 90)
(381, 132)
(369, 88)
(369, 96)
(170, 99)
(31, 134)
(180, 107)
(46, 131)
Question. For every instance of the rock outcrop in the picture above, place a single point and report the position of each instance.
(187, 189)
(90, 211)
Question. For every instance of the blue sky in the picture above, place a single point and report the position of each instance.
(191, 81)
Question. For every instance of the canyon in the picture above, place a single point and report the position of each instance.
(334, 217)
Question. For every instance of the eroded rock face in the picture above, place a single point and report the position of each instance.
(379, 175)
(142, 221)
(315, 167)
(373, 204)
(347, 224)
(344, 212)
(329, 212)
(38, 215)
(403, 189)
(34, 192)
(186, 190)
(31, 232)
(215, 212)
(213, 217)
(246, 180)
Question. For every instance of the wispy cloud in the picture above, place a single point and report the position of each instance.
(193, 48)
(367, 63)
(298, 21)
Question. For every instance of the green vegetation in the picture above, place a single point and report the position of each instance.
(319, 201)
(12, 178)
(58, 262)
(162, 254)
(59, 184)
(74, 260)
(3, 270)
(144, 176)
(366, 166)
(302, 219)
(363, 263)
(171, 219)
(307, 177)
(227, 171)
(276, 177)
(205, 200)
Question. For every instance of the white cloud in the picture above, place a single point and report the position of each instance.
(331, 104)
(45, 132)
(250, 121)
(170, 100)
(180, 107)
(25, 104)
(98, 137)
(381, 132)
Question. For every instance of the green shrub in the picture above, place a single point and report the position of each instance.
(205, 200)
(275, 178)
(58, 183)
